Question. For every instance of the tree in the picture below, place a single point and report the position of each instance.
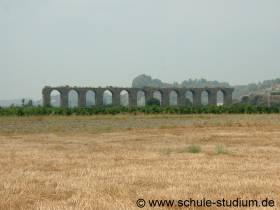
(30, 103)
(188, 102)
(153, 102)
(22, 102)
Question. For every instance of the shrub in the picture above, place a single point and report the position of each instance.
(193, 148)
(220, 149)
(153, 102)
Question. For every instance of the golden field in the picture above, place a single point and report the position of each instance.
(108, 162)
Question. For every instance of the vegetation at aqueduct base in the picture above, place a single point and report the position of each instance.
(152, 109)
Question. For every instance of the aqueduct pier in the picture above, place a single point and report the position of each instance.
(133, 94)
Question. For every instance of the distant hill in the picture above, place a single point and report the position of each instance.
(256, 88)
(145, 80)
(239, 90)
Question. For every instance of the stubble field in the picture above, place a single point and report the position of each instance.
(108, 162)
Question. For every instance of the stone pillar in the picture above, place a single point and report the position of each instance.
(228, 96)
(197, 97)
(148, 95)
(165, 97)
(116, 98)
(181, 99)
(212, 97)
(81, 98)
(99, 96)
(46, 97)
(132, 98)
(64, 98)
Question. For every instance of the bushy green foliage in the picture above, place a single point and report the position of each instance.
(194, 148)
(112, 110)
(153, 102)
(220, 149)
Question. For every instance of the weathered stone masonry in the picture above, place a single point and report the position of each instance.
(132, 94)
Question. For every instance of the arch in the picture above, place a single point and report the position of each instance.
(73, 98)
(158, 95)
(124, 98)
(141, 98)
(220, 98)
(90, 98)
(173, 98)
(205, 97)
(189, 97)
(55, 98)
(107, 97)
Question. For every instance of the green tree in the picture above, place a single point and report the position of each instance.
(153, 102)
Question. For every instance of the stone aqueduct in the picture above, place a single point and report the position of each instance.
(132, 95)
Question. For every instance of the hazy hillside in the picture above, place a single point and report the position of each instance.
(239, 90)
(145, 80)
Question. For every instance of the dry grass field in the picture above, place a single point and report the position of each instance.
(108, 162)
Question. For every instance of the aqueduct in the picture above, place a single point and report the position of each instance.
(165, 94)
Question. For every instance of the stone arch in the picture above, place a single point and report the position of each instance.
(73, 98)
(173, 98)
(205, 96)
(55, 98)
(124, 98)
(157, 94)
(107, 97)
(141, 98)
(220, 97)
(62, 96)
(189, 95)
(90, 98)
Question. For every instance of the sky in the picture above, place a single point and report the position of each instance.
(109, 42)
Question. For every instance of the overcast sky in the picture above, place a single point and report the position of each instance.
(109, 42)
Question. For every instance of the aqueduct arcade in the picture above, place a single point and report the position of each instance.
(179, 95)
